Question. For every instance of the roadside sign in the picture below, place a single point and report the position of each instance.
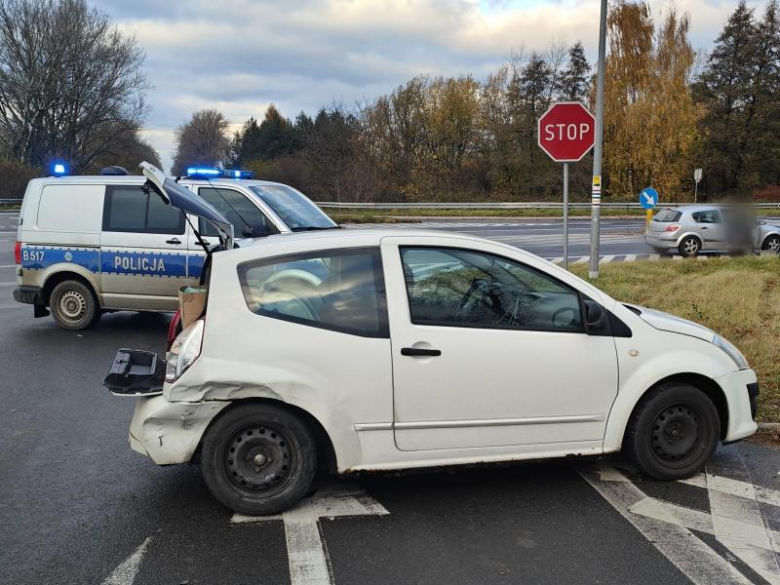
(566, 131)
(697, 175)
(696, 178)
(648, 198)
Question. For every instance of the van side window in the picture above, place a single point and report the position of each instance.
(129, 209)
(237, 209)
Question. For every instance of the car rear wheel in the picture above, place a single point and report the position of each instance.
(772, 244)
(259, 459)
(689, 247)
(673, 432)
(73, 305)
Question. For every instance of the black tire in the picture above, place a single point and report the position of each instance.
(673, 431)
(772, 244)
(689, 247)
(259, 459)
(73, 305)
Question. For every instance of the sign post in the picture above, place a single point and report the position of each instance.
(696, 178)
(648, 199)
(595, 198)
(565, 133)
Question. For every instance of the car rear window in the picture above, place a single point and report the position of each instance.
(667, 216)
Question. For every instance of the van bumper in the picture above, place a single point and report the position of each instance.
(31, 295)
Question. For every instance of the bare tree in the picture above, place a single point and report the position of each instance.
(71, 84)
(201, 140)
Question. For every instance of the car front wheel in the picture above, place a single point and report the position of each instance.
(73, 305)
(772, 244)
(259, 459)
(673, 431)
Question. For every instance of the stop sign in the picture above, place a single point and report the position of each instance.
(566, 131)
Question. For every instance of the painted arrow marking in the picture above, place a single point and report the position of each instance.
(125, 573)
(307, 558)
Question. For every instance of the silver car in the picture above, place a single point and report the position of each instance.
(697, 228)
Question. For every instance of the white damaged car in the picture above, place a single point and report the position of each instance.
(386, 350)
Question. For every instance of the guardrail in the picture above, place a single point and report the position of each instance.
(513, 205)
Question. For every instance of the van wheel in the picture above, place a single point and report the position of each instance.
(689, 247)
(259, 459)
(73, 305)
(672, 432)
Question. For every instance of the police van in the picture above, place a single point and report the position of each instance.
(93, 244)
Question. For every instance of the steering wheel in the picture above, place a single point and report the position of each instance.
(558, 323)
(478, 294)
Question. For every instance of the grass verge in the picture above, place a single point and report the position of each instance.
(739, 298)
(396, 215)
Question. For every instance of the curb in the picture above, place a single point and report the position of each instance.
(768, 425)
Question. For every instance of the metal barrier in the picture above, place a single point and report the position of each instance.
(514, 205)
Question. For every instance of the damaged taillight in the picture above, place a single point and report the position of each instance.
(184, 350)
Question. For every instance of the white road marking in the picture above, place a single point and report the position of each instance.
(307, 558)
(557, 260)
(735, 487)
(126, 572)
(607, 259)
(737, 521)
(654, 257)
(696, 560)
(8, 265)
(582, 260)
(630, 258)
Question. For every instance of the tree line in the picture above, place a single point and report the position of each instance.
(669, 109)
(72, 88)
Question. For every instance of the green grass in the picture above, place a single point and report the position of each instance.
(396, 215)
(737, 297)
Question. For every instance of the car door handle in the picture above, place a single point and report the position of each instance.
(704, 227)
(173, 241)
(420, 351)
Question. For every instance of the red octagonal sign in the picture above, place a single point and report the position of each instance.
(566, 131)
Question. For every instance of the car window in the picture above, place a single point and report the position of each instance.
(667, 216)
(340, 290)
(129, 209)
(237, 209)
(461, 288)
(706, 216)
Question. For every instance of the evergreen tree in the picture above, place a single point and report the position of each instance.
(575, 81)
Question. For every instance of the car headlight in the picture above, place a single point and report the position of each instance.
(731, 350)
(184, 351)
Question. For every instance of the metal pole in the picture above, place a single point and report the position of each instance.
(566, 215)
(595, 201)
(696, 191)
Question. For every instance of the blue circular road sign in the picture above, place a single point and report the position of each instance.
(648, 198)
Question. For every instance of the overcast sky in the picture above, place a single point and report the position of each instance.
(238, 56)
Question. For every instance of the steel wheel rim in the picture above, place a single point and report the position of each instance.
(677, 437)
(258, 459)
(691, 246)
(72, 305)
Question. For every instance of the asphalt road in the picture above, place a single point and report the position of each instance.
(79, 507)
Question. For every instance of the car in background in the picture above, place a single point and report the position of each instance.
(693, 229)
(92, 244)
(378, 350)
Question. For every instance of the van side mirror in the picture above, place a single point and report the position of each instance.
(596, 320)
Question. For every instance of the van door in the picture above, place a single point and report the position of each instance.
(143, 250)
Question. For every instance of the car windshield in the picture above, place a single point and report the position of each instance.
(296, 211)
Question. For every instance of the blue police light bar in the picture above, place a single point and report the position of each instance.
(59, 169)
(213, 172)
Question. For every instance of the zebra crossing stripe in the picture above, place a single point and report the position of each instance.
(697, 561)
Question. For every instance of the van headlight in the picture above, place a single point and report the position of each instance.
(184, 351)
(731, 350)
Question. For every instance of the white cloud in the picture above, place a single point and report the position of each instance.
(240, 55)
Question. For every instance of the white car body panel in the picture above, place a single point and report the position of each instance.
(384, 411)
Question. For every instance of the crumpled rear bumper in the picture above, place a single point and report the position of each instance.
(170, 432)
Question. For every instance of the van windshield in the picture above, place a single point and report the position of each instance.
(296, 211)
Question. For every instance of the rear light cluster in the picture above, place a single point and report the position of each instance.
(672, 227)
(184, 351)
(18, 252)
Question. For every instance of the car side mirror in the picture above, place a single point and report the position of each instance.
(595, 317)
